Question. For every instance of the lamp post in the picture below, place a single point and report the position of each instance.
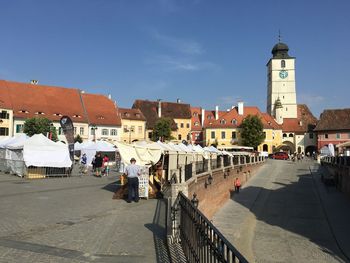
(93, 131)
(50, 131)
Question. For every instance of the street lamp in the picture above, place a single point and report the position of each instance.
(93, 131)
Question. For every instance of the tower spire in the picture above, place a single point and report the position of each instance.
(279, 36)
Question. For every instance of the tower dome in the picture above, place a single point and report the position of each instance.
(280, 50)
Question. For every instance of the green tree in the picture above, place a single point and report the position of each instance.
(38, 125)
(252, 131)
(162, 130)
(78, 139)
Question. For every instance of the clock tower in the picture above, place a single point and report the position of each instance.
(281, 83)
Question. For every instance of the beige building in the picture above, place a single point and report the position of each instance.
(6, 125)
(133, 125)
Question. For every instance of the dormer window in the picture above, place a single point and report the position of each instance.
(195, 114)
(269, 123)
(23, 111)
(283, 63)
(100, 117)
(222, 121)
(196, 123)
(234, 121)
(40, 113)
(57, 114)
(125, 114)
(76, 116)
(137, 115)
(209, 117)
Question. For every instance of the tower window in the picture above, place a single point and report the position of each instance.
(283, 63)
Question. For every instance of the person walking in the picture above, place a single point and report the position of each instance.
(132, 171)
(98, 164)
(105, 165)
(83, 162)
(237, 184)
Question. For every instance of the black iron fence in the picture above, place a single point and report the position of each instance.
(188, 171)
(200, 240)
(235, 160)
(202, 167)
(227, 160)
(336, 160)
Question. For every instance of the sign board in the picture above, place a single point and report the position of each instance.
(143, 182)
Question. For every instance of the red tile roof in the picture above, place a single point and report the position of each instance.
(131, 114)
(101, 110)
(27, 100)
(232, 119)
(332, 120)
(304, 122)
(196, 124)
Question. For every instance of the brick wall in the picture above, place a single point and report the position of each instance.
(212, 197)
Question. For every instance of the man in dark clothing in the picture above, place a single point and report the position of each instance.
(98, 164)
(132, 171)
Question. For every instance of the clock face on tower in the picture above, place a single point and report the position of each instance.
(283, 74)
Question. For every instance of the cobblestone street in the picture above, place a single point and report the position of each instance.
(286, 214)
(76, 220)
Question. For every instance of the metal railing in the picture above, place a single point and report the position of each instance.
(202, 167)
(200, 240)
(336, 160)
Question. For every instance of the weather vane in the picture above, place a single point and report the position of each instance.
(279, 36)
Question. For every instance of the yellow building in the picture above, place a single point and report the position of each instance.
(6, 117)
(133, 125)
(179, 114)
(222, 128)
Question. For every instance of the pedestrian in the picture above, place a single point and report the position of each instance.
(237, 185)
(132, 171)
(93, 163)
(98, 164)
(105, 165)
(83, 163)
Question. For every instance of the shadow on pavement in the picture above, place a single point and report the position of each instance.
(295, 207)
(159, 232)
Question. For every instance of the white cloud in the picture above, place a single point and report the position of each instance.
(186, 46)
(170, 63)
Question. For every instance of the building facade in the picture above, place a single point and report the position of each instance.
(133, 125)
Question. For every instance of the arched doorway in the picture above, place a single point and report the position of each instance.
(265, 148)
(286, 146)
(310, 149)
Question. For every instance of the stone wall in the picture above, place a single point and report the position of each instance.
(213, 196)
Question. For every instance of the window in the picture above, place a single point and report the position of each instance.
(187, 125)
(234, 121)
(264, 135)
(19, 128)
(284, 135)
(40, 113)
(311, 135)
(105, 132)
(179, 137)
(81, 131)
(132, 128)
(291, 135)
(59, 131)
(150, 135)
(326, 136)
(213, 134)
(125, 128)
(195, 114)
(75, 130)
(234, 135)
(286, 109)
(181, 125)
(4, 115)
(4, 131)
(197, 124)
(93, 132)
(223, 135)
(283, 63)
(140, 130)
(338, 135)
(222, 121)
(209, 117)
(197, 136)
(113, 132)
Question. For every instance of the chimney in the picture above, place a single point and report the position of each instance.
(110, 96)
(216, 112)
(240, 107)
(178, 100)
(34, 82)
(159, 108)
(203, 116)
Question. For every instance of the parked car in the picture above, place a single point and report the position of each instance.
(270, 156)
(280, 156)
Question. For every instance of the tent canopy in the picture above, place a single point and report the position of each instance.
(42, 152)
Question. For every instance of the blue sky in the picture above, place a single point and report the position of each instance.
(206, 53)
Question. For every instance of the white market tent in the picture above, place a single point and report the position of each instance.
(40, 151)
(91, 148)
